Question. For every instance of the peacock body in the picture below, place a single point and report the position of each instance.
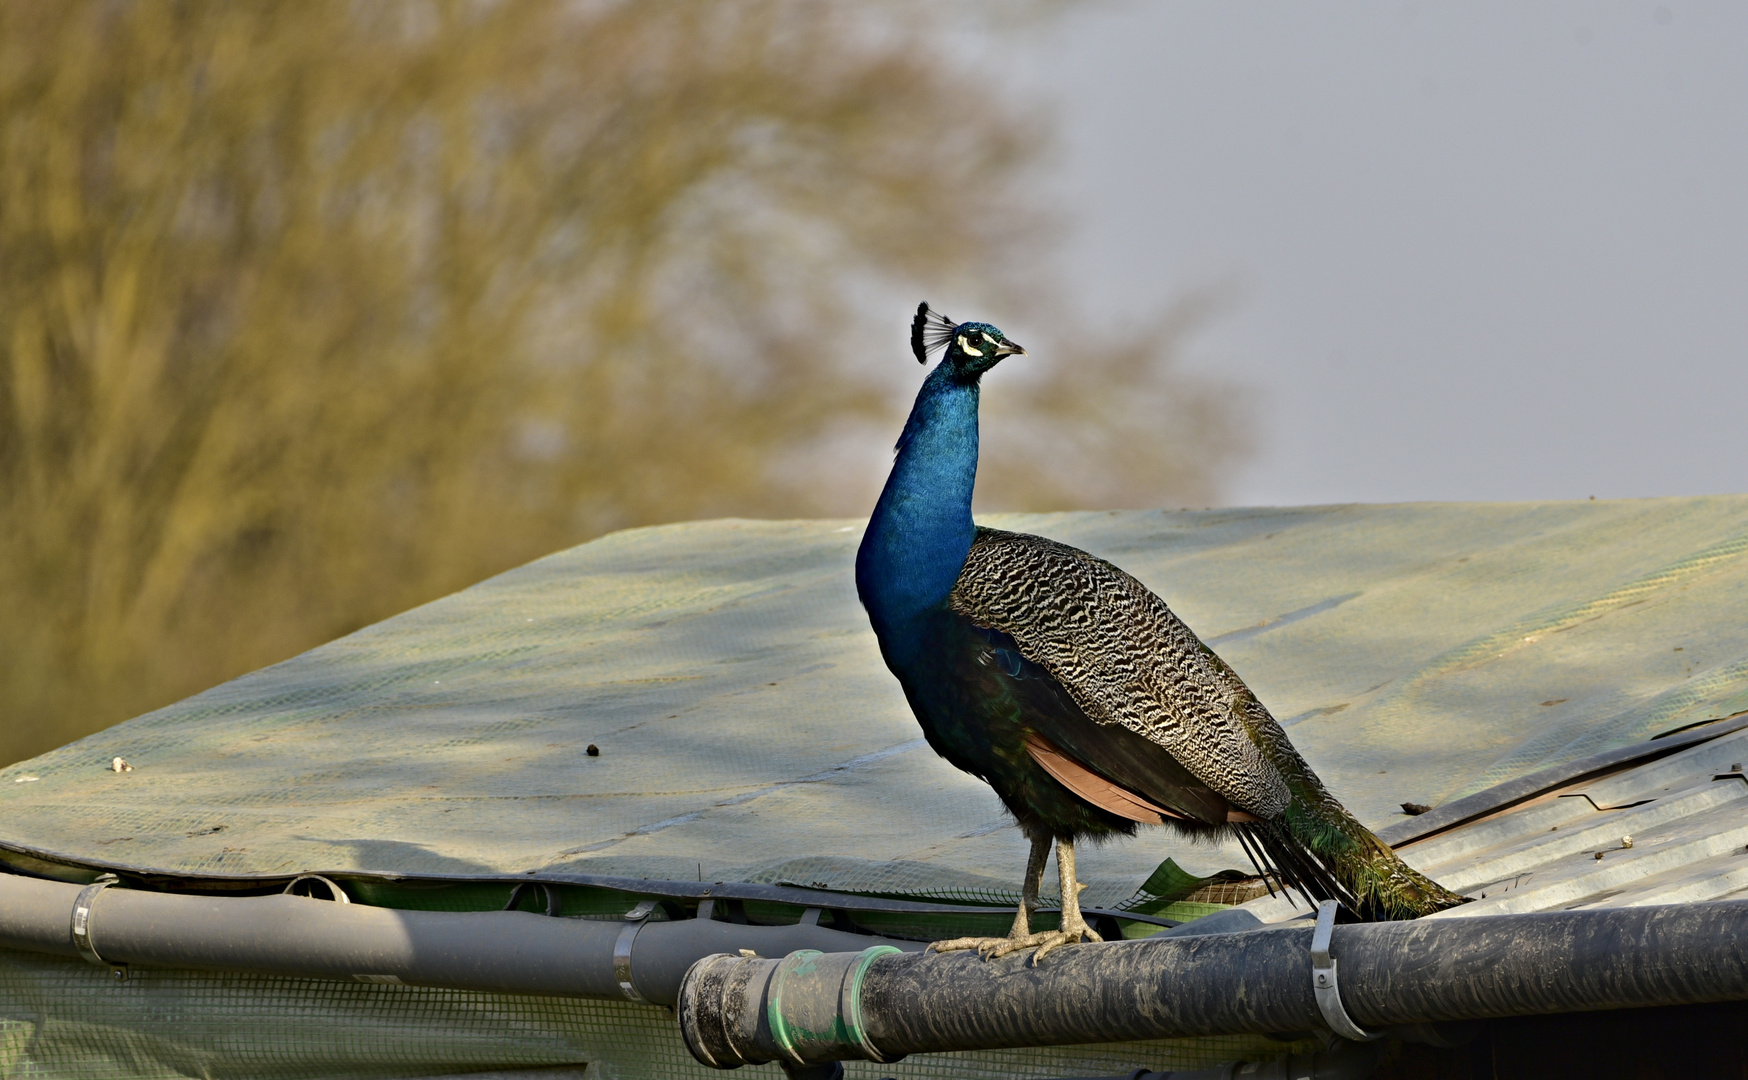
(1075, 692)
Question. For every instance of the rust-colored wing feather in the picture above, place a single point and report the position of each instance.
(1094, 788)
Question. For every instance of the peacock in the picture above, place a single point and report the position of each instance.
(1075, 692)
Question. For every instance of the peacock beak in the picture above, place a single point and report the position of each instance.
(1008, 348)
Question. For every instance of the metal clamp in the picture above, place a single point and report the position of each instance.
(1323, 978)
(635, 919)
(554, 905)
(304, 884)
(81, 925)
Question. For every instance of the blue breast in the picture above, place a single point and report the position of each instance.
(921, 529)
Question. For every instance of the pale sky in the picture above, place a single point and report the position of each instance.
(1480, 250)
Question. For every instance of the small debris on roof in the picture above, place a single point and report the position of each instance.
(25, 779)
(119, 765)
(1415, 809)
(593, 750)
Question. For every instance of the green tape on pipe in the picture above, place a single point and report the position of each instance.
(800, 962)
(850, 1004)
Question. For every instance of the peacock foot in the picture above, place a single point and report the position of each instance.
(996, 948)
(987, 947)
(1073, 925)
(1068, 935)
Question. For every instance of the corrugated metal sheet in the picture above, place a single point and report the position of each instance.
(1673, 830)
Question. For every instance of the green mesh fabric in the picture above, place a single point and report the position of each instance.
(66, 1018)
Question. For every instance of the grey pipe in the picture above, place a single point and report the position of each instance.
(739, 1010)
(502, 951)
(877, 1003)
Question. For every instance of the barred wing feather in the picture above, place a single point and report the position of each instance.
(1124, 658)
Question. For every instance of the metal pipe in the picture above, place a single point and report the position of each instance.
(742, 1010)
(503, 951)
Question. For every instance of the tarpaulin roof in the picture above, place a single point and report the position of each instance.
(747, 729)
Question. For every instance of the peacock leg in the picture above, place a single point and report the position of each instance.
(1073, 926)
(1021, 935)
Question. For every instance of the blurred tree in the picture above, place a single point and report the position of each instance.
(313, 310)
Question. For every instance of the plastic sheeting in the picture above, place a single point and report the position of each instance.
(747, 729)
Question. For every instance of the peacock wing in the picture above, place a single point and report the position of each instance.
(1124, 658)
(1105, 764)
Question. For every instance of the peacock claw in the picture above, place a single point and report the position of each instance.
(995, 948)
(1054, 939)
(981, 944)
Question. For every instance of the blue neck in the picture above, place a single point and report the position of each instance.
(921, 530)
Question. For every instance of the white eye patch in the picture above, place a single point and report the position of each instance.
(989, 339)
(963, 344)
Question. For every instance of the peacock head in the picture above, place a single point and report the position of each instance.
(972, 348)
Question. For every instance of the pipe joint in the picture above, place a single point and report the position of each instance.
(805, 1009)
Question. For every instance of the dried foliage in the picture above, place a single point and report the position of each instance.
(311, 311)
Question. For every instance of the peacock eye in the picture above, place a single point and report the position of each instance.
(966, 346)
